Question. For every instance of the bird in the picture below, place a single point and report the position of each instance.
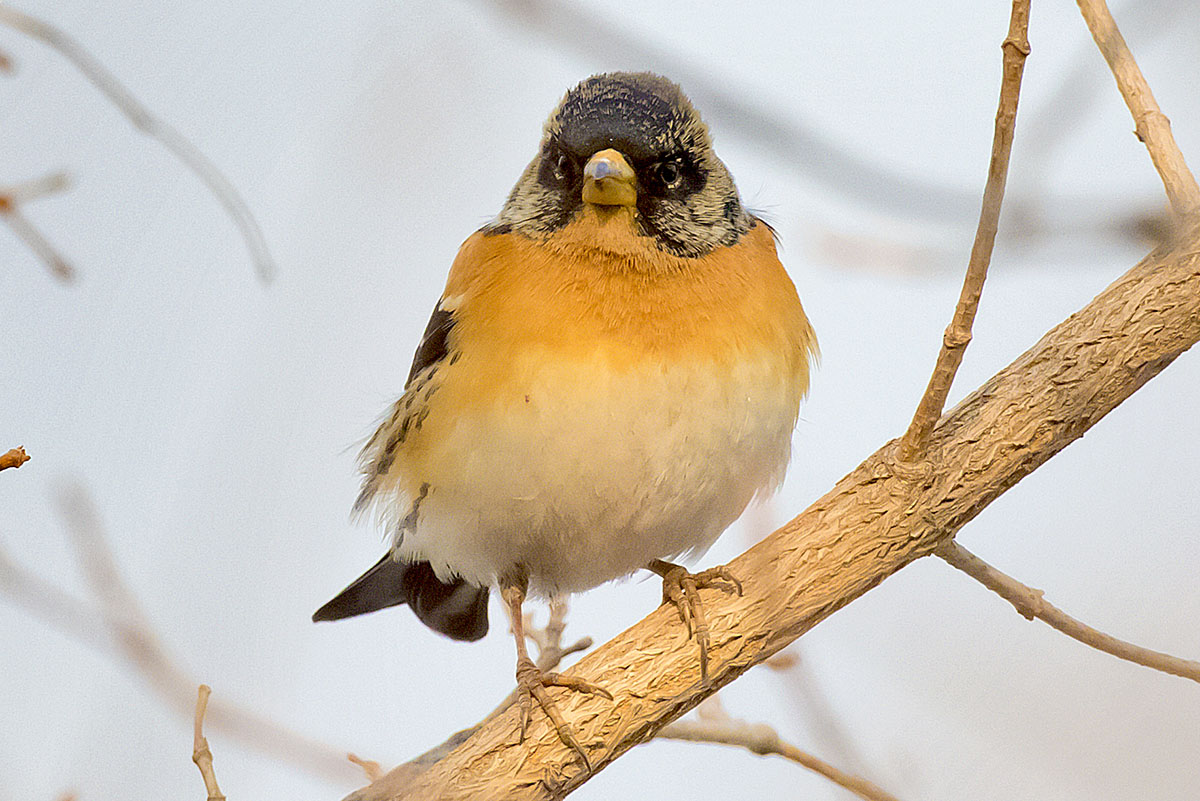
(612, 374)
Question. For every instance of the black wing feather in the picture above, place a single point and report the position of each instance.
(435, 344)
(456, 609)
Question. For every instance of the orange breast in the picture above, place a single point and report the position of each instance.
(599, 287)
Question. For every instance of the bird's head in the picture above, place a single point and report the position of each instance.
(629, 141)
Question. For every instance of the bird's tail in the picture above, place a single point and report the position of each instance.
(457, 609)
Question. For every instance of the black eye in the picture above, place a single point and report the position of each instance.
(564, 168)
(669, 173)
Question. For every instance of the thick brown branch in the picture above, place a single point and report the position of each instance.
(147, 123)
(763, 740)
(1030, 604)
(15, 457)
(1153, 127)
(872, 523)
(958, 333)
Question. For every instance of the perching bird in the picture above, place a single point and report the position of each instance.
(613, 372)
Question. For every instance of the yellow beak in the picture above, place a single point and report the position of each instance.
(608, 180)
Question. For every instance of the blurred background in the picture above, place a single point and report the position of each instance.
(213, 419)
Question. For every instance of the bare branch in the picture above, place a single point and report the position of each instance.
(50, 604)
(1153, 127)
(201, 754)
(372, 769)
(121, 615)
(147, 123)
(763, 740)
(15, 457)
(958, 333)
(10, 200)
(1030, 604)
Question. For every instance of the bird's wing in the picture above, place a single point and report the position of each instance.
(456, 608)
(409, 410)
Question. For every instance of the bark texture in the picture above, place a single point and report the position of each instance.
(875, 521)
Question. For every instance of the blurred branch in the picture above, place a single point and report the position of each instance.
(147, 123)
(118, 611)
(761, 739)
(958, 333)
(201, 754)
(15, 457)
(1049, 127)
(1030, 604)
(11, 199)
(1153, 127)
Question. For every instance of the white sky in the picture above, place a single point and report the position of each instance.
(214, 420)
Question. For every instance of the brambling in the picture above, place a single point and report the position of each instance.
(613, 372)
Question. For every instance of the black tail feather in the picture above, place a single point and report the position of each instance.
(457, 609)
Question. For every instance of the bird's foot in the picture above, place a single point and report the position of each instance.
(680, 589)
(532, 682)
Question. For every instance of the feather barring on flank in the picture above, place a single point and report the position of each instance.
(611, 375)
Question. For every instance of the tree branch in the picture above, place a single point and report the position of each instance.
(178, 144)
(1153, 127)
(201, 754)
(872, 523)
(761, 739)
(1030, 604)
(14, 457)
(11, 199)
(958, 333)
(120, 613)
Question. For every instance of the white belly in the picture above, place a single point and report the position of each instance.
(589, 474)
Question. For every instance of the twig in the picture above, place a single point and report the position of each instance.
(153, 127)
(130, 631)
(370, 768)
(201, 754)
(50, 604)
(15, 457)
(1152, 126)
(761, 739)
(958, 333)
(1030, 604)
(10, 200)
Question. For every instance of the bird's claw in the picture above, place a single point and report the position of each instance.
(680, 590)
(532, 682)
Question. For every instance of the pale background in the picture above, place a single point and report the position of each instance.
(215, 419)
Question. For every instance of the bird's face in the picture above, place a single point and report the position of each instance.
(629, 143)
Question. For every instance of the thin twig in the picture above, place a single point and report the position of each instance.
(26, 191)
(119, 611)
(11, 199)
(761, 739)
(201, 754)
(370, 768)
(1030, 604)
(958, 333)
(153, 127)
(15, 457)
(50, 604)
(1153, 127)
